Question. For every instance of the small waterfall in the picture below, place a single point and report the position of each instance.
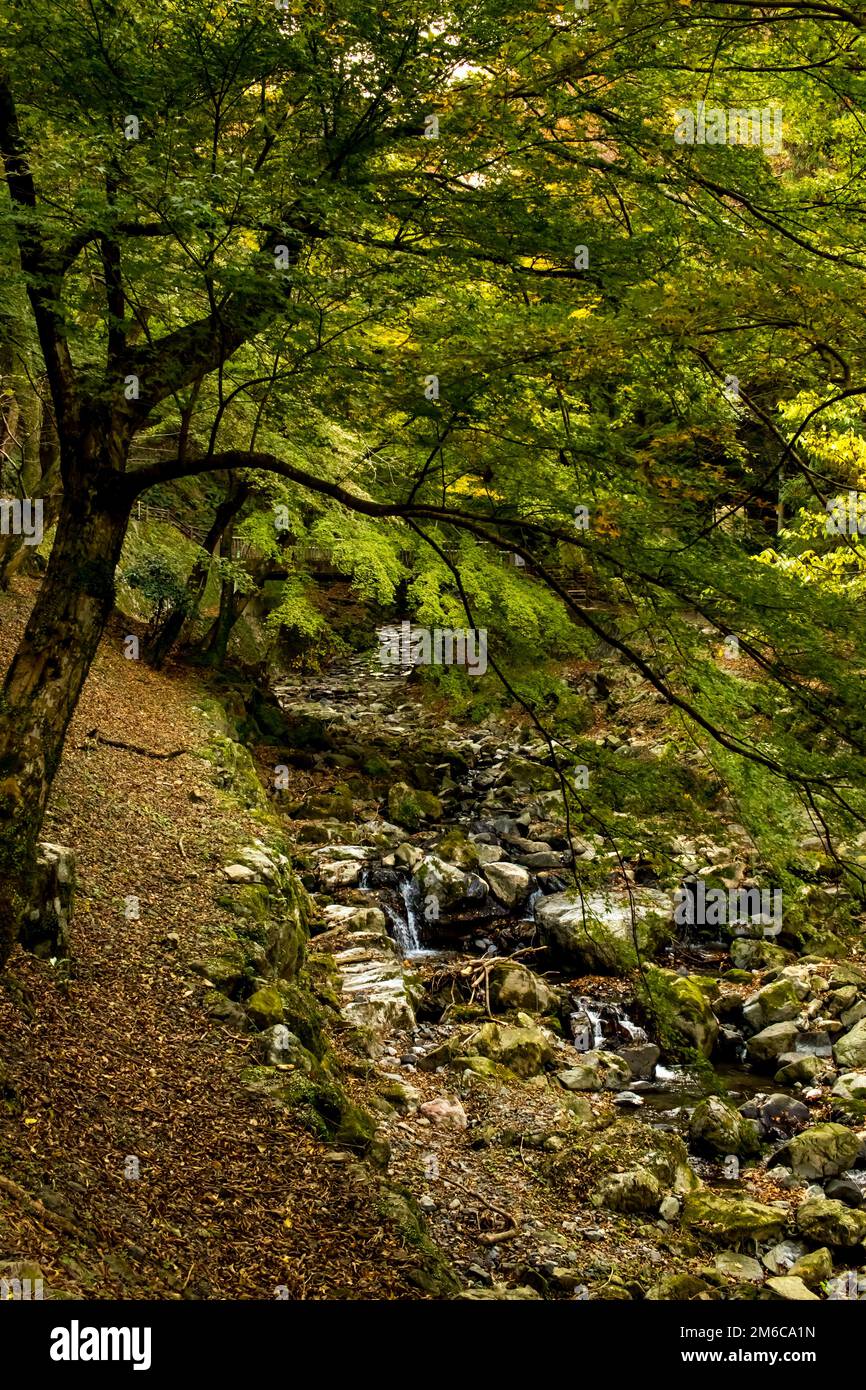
(534, 899)
(404, 928)
(595, 1025)
(586, 1028)
(409, 894)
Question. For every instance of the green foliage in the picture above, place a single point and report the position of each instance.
(155, 577)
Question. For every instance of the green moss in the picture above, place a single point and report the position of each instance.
(411, 808)
(265, 1007)
(303, 1015)
(399, 1210)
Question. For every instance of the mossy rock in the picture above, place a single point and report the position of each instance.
(410, 808)
(524, 1051)
(324, 1109)
(235, 771)
(632, 1191)
(249, 901)
(303, 1015)
(814, 1268)
(732, 1219)
(684, 1019)
(399, 1210)
(217, 716)
(456, 849)
(749, 953)
(230, 970)
(325, 806)
(275, 920)
(374, 765)
(265, 1007)
(824, 1221)
(680, 1288)
(717, 1127)
(822, 1151)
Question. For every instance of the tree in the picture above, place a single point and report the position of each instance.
(372, 194)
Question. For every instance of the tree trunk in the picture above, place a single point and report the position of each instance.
(231, 607)
(46, 677)
(170, 630)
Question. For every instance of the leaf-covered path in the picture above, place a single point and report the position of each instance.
(232, 1201)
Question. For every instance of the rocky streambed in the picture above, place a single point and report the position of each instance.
(583, 1100)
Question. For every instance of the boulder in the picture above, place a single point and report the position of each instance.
(444, 1111)
(845, 1190)
(685, 1011)
(599, 934)
(791, 1289)
(637, 1190)
(400, 1095)
(524, 1051)
(851, 1085)
(822, 1151)
(825, 1222)
(749, 953)
(732, 1218)
(343, 873)
(509, 882)
(265, 1007)
(719, 1128)
(409, 807)
(737, 1266)
(771, 1043)
(679, 1288)
(814, 1268)
(279, 1046)
(596, 1071)
(445, 884)
(641, 1059)
(850, 1050)
(511, 985)
(796, 1067)
(778, 1002)
(779, 1115)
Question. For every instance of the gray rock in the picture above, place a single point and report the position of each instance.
(596, 1071)
(599, 934)
(641, 1059)
(509, 882)
(737, 1266)
(845, 1190)
(850, 1050)
(279, 1045)
(823, 1151)
(45, 929)
(773, 1042)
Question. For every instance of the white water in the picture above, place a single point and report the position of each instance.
(404, 929)
(587, 1025)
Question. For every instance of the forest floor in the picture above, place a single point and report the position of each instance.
(120, 1059)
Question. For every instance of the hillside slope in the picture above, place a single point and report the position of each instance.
(114, 1055)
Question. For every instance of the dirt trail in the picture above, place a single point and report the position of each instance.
(120, 1060)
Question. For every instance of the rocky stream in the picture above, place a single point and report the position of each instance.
(585, 1099)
